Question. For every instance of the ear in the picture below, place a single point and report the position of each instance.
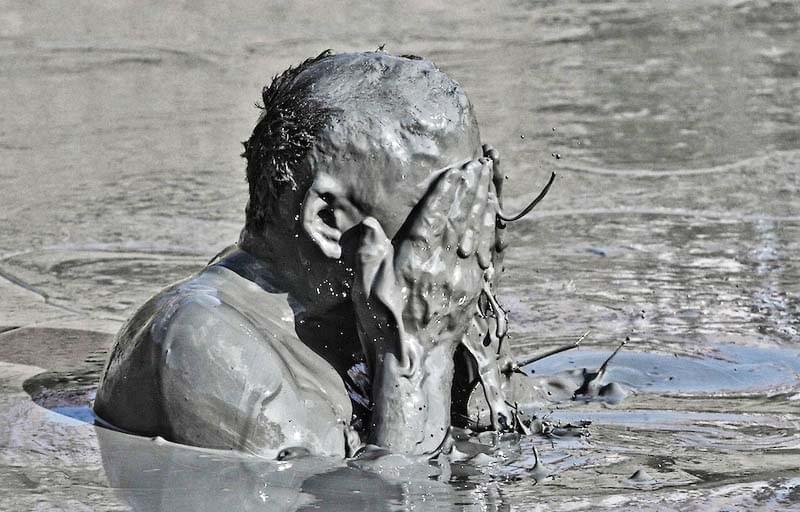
(326, 237)
(327, 212)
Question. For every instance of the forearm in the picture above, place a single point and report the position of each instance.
(412, 412)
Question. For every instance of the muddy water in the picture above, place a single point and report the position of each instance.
(674, 128)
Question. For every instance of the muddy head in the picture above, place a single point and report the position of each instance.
(395, 122)
(349, 136)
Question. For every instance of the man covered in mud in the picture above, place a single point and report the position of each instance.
(360, 291)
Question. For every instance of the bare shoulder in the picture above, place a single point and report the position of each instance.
(213, 361)
(214, 300)
(185, 324)
(138, 342)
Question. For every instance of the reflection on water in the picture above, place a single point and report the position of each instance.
(673, 222)
(158, 475)
(152, 475)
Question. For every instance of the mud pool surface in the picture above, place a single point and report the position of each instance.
(675, 131)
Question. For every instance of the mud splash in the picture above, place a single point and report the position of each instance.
(676, 407)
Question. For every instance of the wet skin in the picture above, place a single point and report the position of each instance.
(387, 258)
(218, 361)
(415, 301)
(214, 361)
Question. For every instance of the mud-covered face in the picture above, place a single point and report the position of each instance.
(335, 204)
(393, 123)
(380, 177)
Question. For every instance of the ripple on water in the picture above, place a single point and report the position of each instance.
(113, 283)
(668, 282)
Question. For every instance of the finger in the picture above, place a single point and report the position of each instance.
(466, 190)
(381, 314)
(376, 300)
(498, 178)
(500, 228)
(490, 152)
(487, 233)
(372, 252)
(376, 265)
(431, 214)
(473, 228)
(386, 290)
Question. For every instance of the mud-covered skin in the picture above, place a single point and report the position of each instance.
(399, 159)
(214, 361)
(489, 363)
(414, 303)
(397, 123)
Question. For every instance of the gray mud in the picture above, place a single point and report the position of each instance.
(712, 430)
(674, 222)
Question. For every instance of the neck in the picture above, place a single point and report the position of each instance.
(283, 258)
(252, 268)
(325, 326)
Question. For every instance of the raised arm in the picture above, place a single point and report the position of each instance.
(415, 298)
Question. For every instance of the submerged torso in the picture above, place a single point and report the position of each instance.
(215, 361)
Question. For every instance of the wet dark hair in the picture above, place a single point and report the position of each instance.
(288, 127)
